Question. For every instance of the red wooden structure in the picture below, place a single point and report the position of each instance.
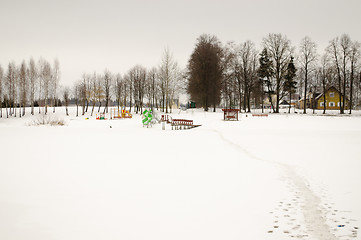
(230, 114)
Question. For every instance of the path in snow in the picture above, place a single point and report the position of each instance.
(304, 200)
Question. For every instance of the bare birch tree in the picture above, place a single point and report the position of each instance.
(107, 83)
(354, 61)
(279, 50)
(33, 77)
(66, 93)
(22, 88)
(55, 81)
(308, 58)
(168, 73)
(46, 77)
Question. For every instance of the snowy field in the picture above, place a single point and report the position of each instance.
(277, 177)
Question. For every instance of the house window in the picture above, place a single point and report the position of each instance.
(338, 104)
(321, 104)
(332, 94)
(331, 104)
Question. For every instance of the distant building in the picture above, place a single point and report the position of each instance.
(316, 100)
(310, 100)
(332, 96)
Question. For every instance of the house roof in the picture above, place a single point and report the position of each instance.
(328, 89)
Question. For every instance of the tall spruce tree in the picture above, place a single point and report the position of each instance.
(290, 84)
(265, 74)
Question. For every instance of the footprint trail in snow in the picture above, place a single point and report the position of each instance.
(303, 215)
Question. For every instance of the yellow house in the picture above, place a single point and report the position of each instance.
(332, 99)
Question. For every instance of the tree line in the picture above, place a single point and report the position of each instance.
(230, 75)
(32, 83)
(236, 75)
(156, 88)
(36, 84)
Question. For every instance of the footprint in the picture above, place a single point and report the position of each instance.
(275, 226)
(296, 227)
(270, 231)
(286, 231)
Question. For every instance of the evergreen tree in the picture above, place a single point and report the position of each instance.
(290, 84)
(265, 74)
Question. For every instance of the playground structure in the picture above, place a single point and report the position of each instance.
(101, 116)
(178, 124)
(116, 113)
(147, 118)
(230, 114)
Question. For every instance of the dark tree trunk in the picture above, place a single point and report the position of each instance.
(351, 87)
(289, 104)
(87, 105)
(93, 108)
(324, 94)
(305, 93)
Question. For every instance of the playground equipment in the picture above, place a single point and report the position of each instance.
(230, 114)
(259, 115)
(178, 124)
(101, 116)
(147, 118)
(116, 113)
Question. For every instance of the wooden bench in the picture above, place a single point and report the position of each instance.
(179, 123)
(259, 115)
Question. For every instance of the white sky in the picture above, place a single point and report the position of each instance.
(89, 36)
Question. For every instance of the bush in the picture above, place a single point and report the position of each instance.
(44, 119)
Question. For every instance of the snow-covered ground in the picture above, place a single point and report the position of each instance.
(277, 177)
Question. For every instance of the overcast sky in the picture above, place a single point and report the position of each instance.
(89, 36)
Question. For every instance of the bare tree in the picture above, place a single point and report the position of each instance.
(168, 74)
(46, 77)
(1, 91)
(152, 80)
(55, 81)
(324, 74)
(22, 88)
(308, 58)
(248, 70)
(107, 83)
(99, 92)
(127, 91)
(279, 49)
(33, 77)
(354, 58)
(76, 93)
(10, 87)
(118, 89)
(93, 91)
(66, 93)
(138, 76)
(339, 49)
(230, 66)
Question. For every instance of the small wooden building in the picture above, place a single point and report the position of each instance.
(230, 114)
